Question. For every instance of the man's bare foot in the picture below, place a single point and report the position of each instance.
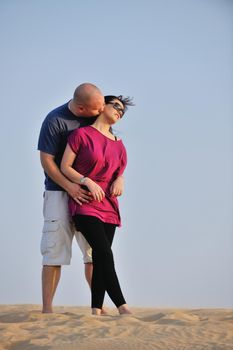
(96, 312)
(47, 311)
(124, 310)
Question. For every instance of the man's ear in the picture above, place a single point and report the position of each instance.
(80, 108)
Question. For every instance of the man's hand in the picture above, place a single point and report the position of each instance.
(117, 187)
(78, 193)
(74, 190)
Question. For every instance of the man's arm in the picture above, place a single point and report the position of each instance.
(52, 170)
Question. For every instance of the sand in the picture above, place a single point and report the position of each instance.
(23, 327)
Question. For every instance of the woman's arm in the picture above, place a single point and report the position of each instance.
(66, 166)
(117, 186)
(74, 176)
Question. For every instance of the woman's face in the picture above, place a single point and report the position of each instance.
(114, 110)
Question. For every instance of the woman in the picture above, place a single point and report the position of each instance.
(96, 159)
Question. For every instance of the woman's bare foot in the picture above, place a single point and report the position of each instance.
(96, 311)
(124, 310)
(99, 312)
(104, 311)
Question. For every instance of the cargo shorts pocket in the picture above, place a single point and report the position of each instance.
(52, 239)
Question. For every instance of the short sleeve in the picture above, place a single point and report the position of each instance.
(123, 162)
(74, 140)
(49, 138)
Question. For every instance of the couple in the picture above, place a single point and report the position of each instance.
(85, 188)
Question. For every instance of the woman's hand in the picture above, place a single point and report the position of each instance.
(96, 191)
(117, 187)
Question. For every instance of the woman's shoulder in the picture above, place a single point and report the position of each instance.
(82, 130)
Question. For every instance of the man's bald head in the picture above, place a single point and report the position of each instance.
(84, 93)
(88, 100)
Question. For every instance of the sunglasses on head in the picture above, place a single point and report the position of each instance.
(117, 107)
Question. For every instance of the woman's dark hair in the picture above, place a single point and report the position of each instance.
(126, 101)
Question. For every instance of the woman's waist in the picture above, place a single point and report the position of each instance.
(105, 207)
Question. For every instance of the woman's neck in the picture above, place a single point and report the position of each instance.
(102, 126)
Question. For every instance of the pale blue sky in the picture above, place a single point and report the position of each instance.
(174, 57)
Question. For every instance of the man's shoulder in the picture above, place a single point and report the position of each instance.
(61, 112)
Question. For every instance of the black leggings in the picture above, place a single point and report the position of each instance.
(100, 236)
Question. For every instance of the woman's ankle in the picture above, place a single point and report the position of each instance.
(96, 311)
(124, 310)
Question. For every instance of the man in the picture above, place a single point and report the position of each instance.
(58, 230)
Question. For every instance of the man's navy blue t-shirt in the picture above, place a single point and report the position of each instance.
(54, 132)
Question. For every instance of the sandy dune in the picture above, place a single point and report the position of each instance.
(23, 327)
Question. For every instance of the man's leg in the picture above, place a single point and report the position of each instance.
(88, 268)
(56, 244)
(87, 255)
(50, 278)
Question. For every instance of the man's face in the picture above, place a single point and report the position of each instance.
(95, 107)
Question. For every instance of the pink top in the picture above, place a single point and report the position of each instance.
(102, 160)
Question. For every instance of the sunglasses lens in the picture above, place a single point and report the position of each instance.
(118, 108)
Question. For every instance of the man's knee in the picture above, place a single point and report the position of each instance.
(84, 247)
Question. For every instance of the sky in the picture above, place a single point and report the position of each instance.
(174, 57)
